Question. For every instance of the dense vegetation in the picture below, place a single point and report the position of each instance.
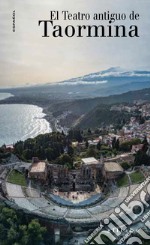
(123, 181)
(141, 157)
(3, 154)
(16, 229)
(47, 146)
(126, 146)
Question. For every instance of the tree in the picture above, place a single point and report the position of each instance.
(89, 131)
(27, 154)
(16, 230)
(19, 147)
(141, 158)
(97, 131)
(70, 150)
(141, 120)
(117, 145)
(69, 165)
(145, 141)
(75, 135)
(40, 146)
(91, 152)
(24, 238)
(114, 142)
(12, 235)
(99, 145)
(125, 165)
(127, 145)
(3, 232)
(49, 153)
(145, 145)
(35, 232)
(64, 159)
(86, 144)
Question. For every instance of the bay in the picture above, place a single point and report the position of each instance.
(21, 121)
(5, 95)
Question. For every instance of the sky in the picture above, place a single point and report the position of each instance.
(27, 58)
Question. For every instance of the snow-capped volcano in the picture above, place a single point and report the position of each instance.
(112, 76)
(103, 83)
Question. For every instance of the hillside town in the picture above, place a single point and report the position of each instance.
(72, 177)
(137, 127)
(94, 158)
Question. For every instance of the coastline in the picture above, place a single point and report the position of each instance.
(34, 116)
(4, 96)
(53, 122)
(50, 119)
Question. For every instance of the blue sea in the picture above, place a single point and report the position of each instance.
(20, 121)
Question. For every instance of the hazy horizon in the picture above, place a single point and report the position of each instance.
(26, 58)
(74, 78)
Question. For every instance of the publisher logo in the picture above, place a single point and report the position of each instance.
(14, 21)
(117, 228)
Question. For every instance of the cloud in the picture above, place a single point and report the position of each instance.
(78, 82)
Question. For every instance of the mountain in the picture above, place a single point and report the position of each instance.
(110, 76)
(85, 111)
(111, 81)
(93, 112)
(104, 83)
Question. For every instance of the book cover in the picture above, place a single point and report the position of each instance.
(74, 122)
